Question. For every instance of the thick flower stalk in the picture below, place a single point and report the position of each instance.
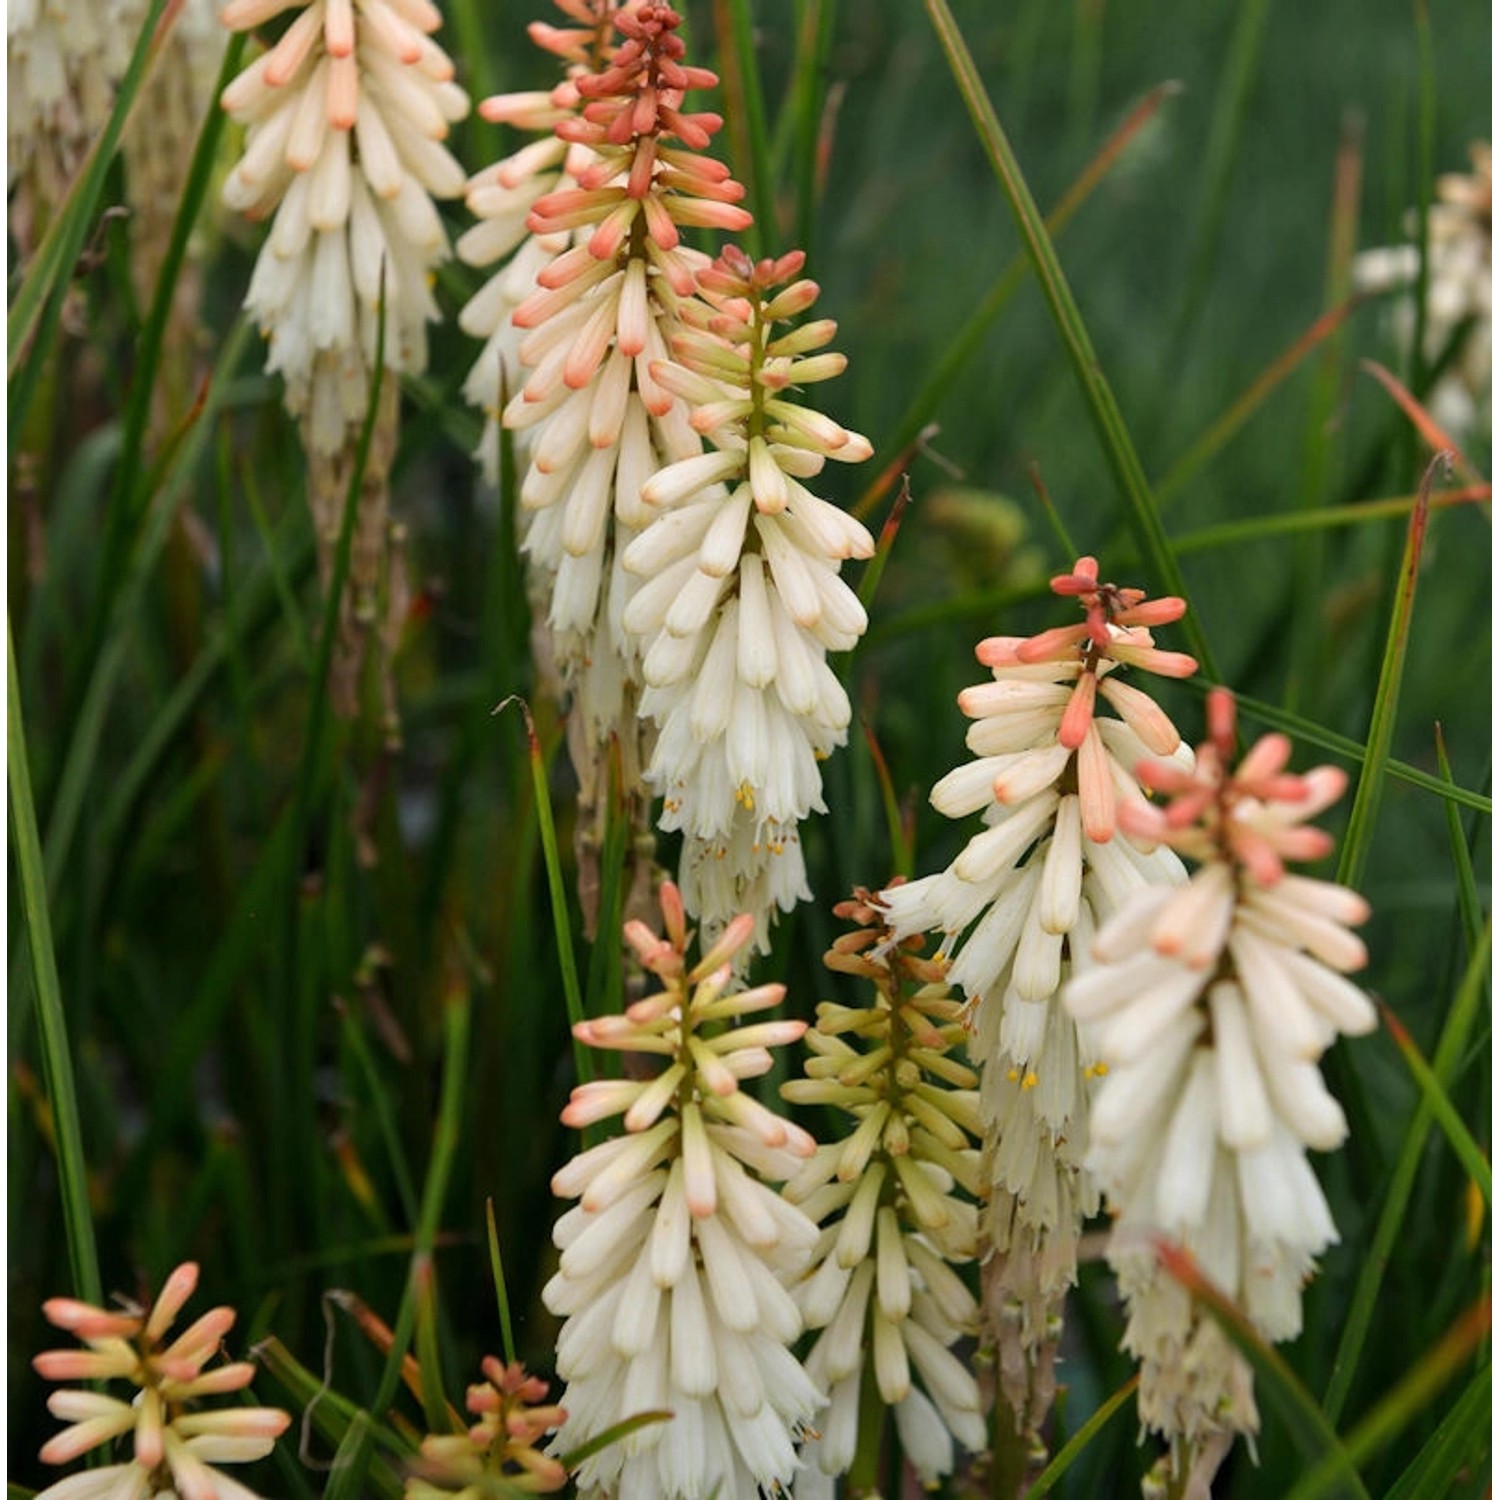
(501, 198)
(676, 1261)
(1209, 1006)
(498, 1454)
(176, 1438)
(1018, 908)
(1460, 241)
(346, 114)
(599, 423)
(741, 598)
(897, 1197)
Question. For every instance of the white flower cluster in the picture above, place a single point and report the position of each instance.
(1018, 908)
(742, 598)
(602, 314)
(1459, 292)
(1209, 1006)
(347, 114)
(676, 1263)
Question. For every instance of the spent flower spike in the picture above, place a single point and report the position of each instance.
(677, 1260)
(176, 1439)
(742, 598)
(897, 1193)
(1209, 1004)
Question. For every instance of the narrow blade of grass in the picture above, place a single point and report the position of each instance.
(57, 1057)
(1072, 1450)
(961, 348)
(1276, 1382)
(127, 499)
(870, 581)
(1434, 435)
(746, 112)
(497, 1275)
(613, 1434)
(1225, 427)
(1315, 734)
(1461, 1441)
(1108, 422)
(1289, 523)
(902, 851)
(436, 1409)
(1450, 1048)
(88, 728)
(1470, 908)
(1361, 829)
(1231, 100)
(1436, 1099)
(1411, 1397)
(562, 925)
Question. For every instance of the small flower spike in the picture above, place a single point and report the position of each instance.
(347, 115)
(1018, 909)
(175, 1438)
(1209, 1005)
(677, 1260)
(498, 1454)
(741, 598)
(898, 1193)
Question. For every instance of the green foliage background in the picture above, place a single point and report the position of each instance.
(256, 1004)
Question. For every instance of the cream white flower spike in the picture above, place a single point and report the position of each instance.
(1209, 1006)
(740, 597)
(676, 1263)
(347, 114)
(1018, 909)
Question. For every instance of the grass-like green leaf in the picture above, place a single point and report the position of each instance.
(57, 1055)
(1361, 829)
(1436, 1098)
(497, 1275)
(962, 347)
(612, 1434)
(1072, 1450)
(1470, 908)
(562, 922)
(1401, 1406)
(1099, 397)
(1457, 1029)
(1461, 1443)
(745, 111)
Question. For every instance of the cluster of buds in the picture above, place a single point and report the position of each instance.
(498, 1453)
(1209, 1005)
(676, 1262)
(1018, 908)
(175, 1439)
(884, 1290)
(601, 316)
(743, 598)
(347, 113)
